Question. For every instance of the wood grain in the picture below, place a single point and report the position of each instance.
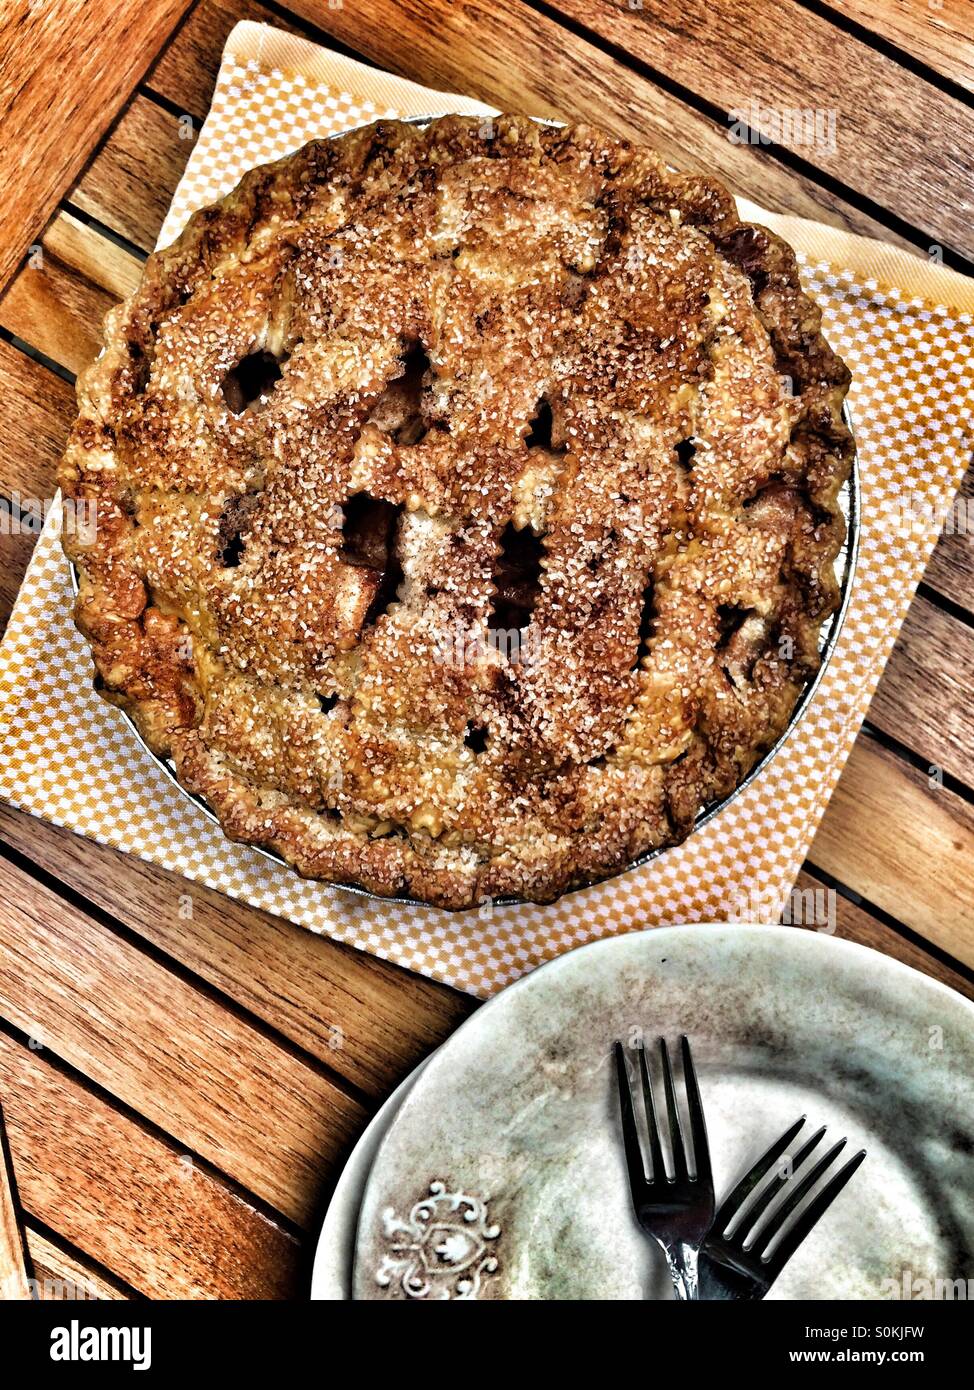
(129, 184)
(924, 696)
(65, 70)
(15, 553)
(36, 411)
(14, 1278)
(898, 141)
(169, 1051)
(57, 302)
(61, 1276)
(904, 844)
(940, 33)
(363, 1017)
(521, 61)
(131, 1201)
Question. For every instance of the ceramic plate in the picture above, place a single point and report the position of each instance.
(501, 1173)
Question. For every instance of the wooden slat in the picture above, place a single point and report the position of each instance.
(176, 1056)
(925, 695)
(57, 302)
(129, 184)
(44, 303)
(85, 251)
(520, 61)
(15, 553)
(36, 411)
(65, 70)
(130, 1200)
(940, 33)
(903, 844)
(62, 1276)
(898, 140)
(14, 1278)
(854, 923)
(367, 1019)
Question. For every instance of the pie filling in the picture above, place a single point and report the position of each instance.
(467, 505)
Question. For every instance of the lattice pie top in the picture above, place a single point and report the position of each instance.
(465, 505)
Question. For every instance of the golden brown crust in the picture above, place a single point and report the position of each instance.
(466, 505)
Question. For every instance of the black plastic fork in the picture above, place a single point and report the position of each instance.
(744, 1263)
(676, 1211)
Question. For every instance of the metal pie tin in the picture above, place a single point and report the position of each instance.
(845, 565)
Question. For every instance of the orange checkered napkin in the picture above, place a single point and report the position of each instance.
(904, 327)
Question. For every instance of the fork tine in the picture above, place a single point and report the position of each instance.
(815, 1210)
(795, 1196)
(630, 1134)
(673, 1114)
(754, 1213)
(698, 1125)
(652, 1122)
(733, 1202)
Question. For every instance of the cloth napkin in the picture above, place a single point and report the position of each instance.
(905, 328)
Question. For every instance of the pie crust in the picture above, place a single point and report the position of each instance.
(466, 505)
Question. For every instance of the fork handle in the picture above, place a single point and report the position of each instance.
(682, 1262)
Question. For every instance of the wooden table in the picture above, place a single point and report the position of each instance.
(180, 1094)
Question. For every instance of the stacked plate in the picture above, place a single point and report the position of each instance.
(497, 1171)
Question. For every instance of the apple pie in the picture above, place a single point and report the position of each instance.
(467, 504)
